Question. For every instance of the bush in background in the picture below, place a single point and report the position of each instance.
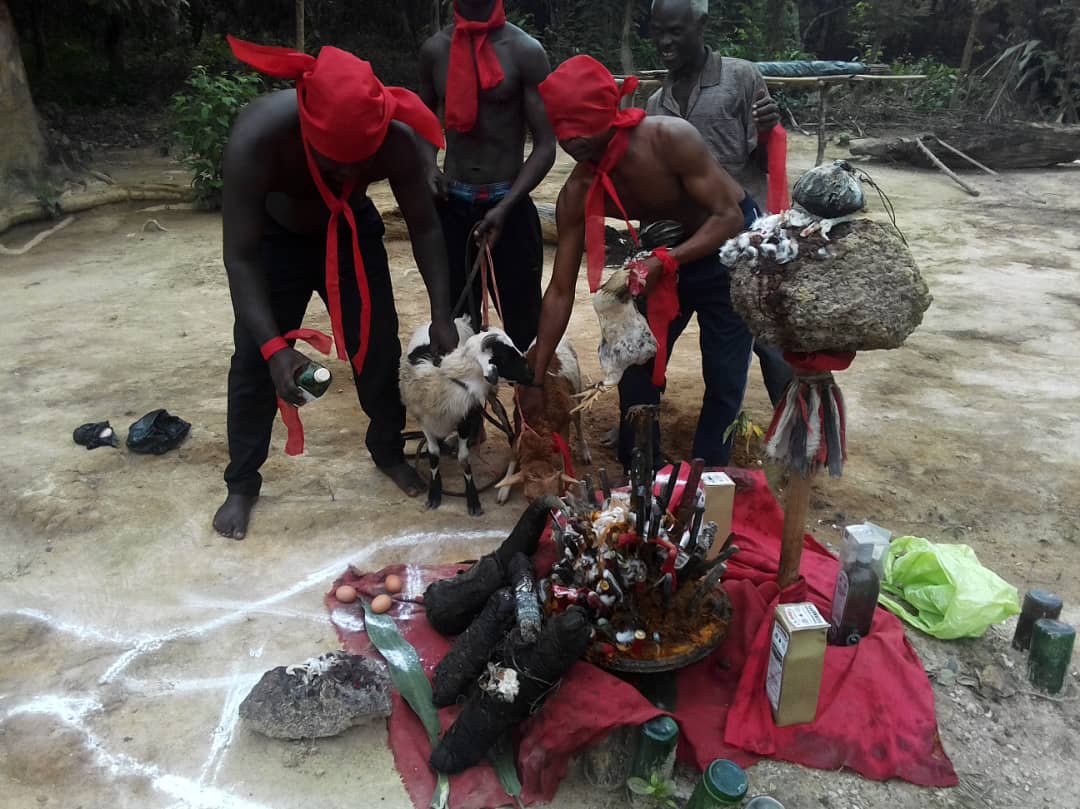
(202, 118)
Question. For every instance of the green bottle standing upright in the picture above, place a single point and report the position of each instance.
(313, 380)
(723, 783)
(1051, 652)
(657, 740)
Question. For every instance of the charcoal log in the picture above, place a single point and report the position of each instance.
(487, 714)
(859, 291)
(452, 604)
(472, 649)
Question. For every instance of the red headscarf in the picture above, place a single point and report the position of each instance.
(582, 100)
(345, 112)
(472, 62)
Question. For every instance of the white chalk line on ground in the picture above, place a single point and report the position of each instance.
(321, 575)
(73, 709)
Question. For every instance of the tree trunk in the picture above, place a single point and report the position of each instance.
(626, 55)
(972, 37)
(774, 27)
(41, 52)
(22, 149)
(300, 25)
(114, 38)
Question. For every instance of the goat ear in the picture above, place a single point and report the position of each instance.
(511, 480)
(489, 342)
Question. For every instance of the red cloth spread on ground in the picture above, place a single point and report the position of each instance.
(875, 713)
(345, 112)
(778, 199)
(582, 100)
(472, 62)
(290, 414)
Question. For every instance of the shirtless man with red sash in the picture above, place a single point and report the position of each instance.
(483, 72)
(648, 169)
(297, 220)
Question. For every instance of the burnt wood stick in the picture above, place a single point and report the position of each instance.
(605, 485)
(689, 498)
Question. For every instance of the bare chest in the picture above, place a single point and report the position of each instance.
(649, 193)
(507, 92)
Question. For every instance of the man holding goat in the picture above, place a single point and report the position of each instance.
(297, 220)
(651, 169)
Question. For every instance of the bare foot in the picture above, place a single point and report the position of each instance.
(405, 477)
(231, 519)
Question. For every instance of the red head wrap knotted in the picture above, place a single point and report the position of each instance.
(345, 112)
(472, 62)
(582, 100)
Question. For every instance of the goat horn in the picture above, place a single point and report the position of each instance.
(510, 480)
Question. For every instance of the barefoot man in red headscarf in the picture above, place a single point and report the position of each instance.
(297, 220)
(483, 72)
(648, 169)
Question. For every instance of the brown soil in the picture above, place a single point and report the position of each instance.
(149, 621)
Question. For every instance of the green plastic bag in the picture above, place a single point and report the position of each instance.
(950, 594)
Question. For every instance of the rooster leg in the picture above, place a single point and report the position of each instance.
(582, 444)
(504, 491)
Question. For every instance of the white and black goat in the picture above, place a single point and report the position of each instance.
(446, 395)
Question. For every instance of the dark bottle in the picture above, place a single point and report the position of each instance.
(1037, 604)
(854, 600)
(313, 381)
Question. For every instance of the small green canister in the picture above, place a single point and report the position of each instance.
(1051, 652)
(313, 380)
(723, 783)
(1037, 604)
(657, 741)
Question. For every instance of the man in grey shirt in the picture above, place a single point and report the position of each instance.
(727, 102)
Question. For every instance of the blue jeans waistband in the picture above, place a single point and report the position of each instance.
(467, 192)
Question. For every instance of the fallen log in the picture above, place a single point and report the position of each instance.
(1017, 145)
(74, 202)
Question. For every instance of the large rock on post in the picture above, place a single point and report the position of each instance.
(323, 697)
(857, 292)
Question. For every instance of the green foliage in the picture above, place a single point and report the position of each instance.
(660, 791)
(202, 118)
(744, 427)
(936, 92)
(1037, 68)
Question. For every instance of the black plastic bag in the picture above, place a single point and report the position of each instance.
(96, 434)
(156, 433)
(830, 191)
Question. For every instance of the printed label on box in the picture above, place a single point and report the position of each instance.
(774, 677)
(803, 616)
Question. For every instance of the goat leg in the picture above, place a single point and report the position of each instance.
(434, 499)
(466, 430)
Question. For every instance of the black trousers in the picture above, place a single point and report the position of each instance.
(705, 289)
(295, 267)
(518, 257)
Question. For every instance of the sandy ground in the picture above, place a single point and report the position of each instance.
(131, 631)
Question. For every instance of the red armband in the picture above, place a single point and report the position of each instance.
(272, 347)
(663, 307)
(671, 266)
(638, 276)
